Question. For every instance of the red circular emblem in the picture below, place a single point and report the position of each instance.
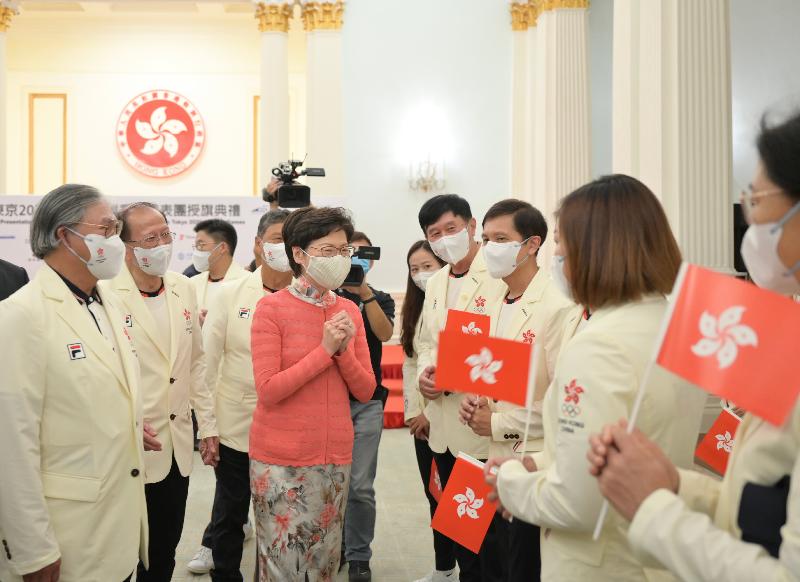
(160, 133)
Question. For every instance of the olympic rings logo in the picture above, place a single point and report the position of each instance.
(571, 410)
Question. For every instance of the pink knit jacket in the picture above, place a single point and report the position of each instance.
(303, 413)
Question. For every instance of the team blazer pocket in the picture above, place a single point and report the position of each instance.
(72, 487)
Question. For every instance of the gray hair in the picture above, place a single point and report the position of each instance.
(63, 206)
(270, 218)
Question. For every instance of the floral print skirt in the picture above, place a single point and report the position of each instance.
(299, 512)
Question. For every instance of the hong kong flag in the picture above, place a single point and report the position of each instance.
(479, 364)
(734, 340)
(716, 447)
(467, 323)
(464, 513)
(435, 483)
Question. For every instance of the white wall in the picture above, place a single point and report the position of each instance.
(450, 56)
(764, 73)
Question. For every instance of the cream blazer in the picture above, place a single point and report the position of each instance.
(173, 375)
(478, 294)
(677, 531)
(413, 401)
(596, 380)
(540, 317)
(229, 371)
(200, 282)
(72, 467)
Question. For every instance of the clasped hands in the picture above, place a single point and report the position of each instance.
(337, 333)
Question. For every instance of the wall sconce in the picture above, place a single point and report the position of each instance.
(426, 176)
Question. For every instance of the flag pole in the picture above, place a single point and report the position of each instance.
(637, 404)
(530, 394)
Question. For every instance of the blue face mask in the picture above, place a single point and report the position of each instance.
(363, 263)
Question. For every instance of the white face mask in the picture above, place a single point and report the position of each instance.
(201, 259)
(421, 279)
(760, 254)
(106, 255)
(330, 272)
(559, 278)
(453, 248)
(154, 261)
(501, 258)
(275, 257)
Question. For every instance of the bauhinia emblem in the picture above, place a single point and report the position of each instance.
(160, 133)
(724, 336)
(467, 504)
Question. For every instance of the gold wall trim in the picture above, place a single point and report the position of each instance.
(519, 16)
(6, 14)
(256, 117)
(273, 17)
(32, 97)
(545, 5)
(323, 15)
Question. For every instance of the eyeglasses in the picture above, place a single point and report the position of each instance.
(154, 239)
(202, 246)
(332, 251)
(110, 229)
(749, 197)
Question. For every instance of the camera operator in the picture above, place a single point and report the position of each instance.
(377, 310)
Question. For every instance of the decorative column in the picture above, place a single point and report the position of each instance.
(325, 112)
(7, 12)
(273, 23)
(672, 116)
(521, 122)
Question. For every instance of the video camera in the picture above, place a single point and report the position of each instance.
(291, 194)
(356, 275)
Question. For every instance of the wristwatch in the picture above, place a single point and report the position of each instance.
(370, 300)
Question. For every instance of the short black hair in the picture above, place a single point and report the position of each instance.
(358, 235)
(528, 221)
(271, 217)
(122, 216)
(308, 224)
(220, 230)
(779, 148)
(435, 207)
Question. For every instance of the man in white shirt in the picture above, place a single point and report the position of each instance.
(463, 284)
(214, 246)
(162, 318)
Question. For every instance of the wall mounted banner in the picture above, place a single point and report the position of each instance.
(182, 213)
(160, 134)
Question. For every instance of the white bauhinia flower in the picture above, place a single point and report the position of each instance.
(725, 441)
(484, 366)
(160, 133)
(467, 504)
(471, 329)
(724, 337)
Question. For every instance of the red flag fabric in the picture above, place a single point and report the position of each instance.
(734, 340)
(435, 483)
(716, 447)
(464, 513)
(468, 323)
(479, 364)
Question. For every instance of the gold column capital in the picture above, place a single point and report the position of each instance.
(519, 16)
(323, 15)
(546, 5)
(273, 17)
(6, 14)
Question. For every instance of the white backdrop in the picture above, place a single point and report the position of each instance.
(182, 213)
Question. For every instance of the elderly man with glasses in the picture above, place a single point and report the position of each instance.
(72, 506)
(162, 317)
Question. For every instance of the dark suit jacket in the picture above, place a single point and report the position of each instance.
(12, 278)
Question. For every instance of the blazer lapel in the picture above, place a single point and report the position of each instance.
(179, 315)
(76, 317)
(132, 300)
(528, 301)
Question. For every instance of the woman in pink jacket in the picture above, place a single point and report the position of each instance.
(309, 350)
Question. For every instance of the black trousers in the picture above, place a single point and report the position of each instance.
(224, 533)
(519, 548)
(485, 566)
(443, 547)
(166, 508)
